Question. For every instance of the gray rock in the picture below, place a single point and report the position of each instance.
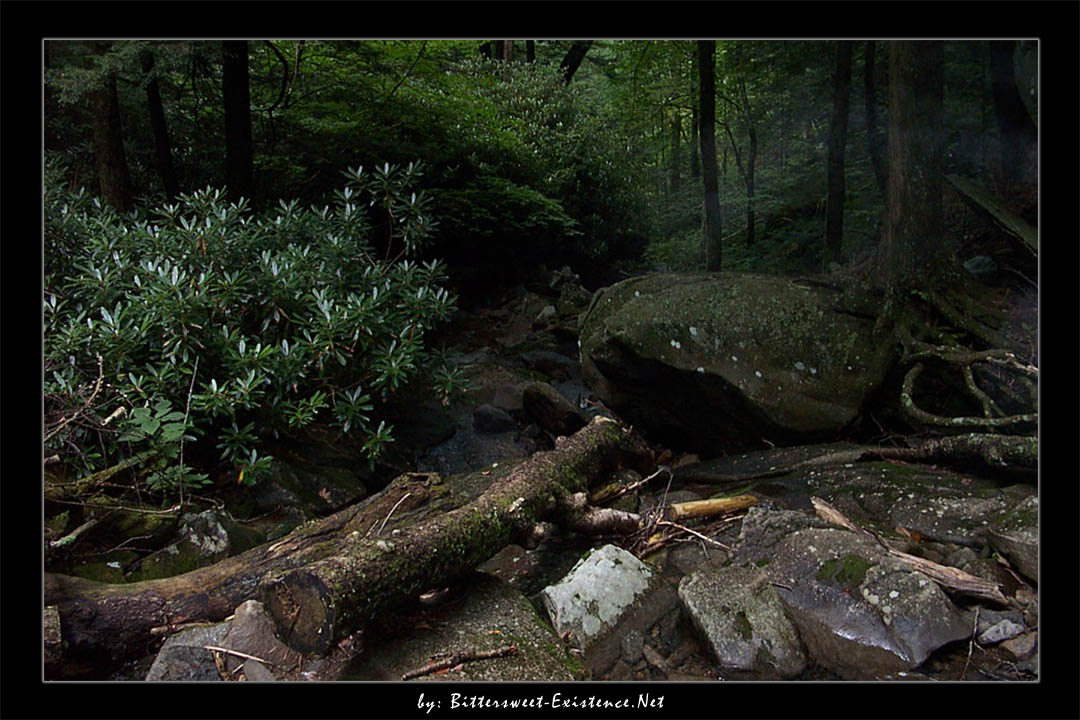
(488, 420)
(255, 671)
(861, 612)
(1000, 631)
(589, 601)
(742, 620)
(252, 632)
(1015, 534)
(184, 657)
(719, 361)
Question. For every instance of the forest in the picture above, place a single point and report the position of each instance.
(442, 293)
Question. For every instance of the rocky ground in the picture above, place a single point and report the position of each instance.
(772, 592)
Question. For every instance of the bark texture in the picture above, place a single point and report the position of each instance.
(915, 254)
(162, 143)
(114, 178)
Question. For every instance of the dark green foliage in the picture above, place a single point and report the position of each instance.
(251, 323)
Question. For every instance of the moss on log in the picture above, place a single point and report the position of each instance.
(322, 602)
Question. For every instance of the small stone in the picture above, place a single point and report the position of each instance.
(255, 671)
(1022, 646)
(1003, 630)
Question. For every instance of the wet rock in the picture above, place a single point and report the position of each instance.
(1015, 534)
(717, 362)
(488, 419)
(184, 657)
(551, 409)
(935, 504)
(589, 601)
(742, 620)
(490, 615)
(860, 612)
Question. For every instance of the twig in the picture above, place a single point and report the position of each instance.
(695, 533)
(971, 643)
(237, 653)
(460, 658)
(392, 512)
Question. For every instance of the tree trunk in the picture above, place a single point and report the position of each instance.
(695, 155)
(114, 178)
(162, 145)
(675, 159)
(834, 214)
(1017, 131)
(507, 56)
(710, 240)
(239, 148)
(340, 571)
(914, 252)
(874, 140)
(530, 51)
(751, 163)
(572, 60)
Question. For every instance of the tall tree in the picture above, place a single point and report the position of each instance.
(572, 60)
(675, 159)
(874, 139)
(834, 214)
(507, 56)
(162, 144)
(710, 240)
(114, 178)
(913, 253)
(239, 147)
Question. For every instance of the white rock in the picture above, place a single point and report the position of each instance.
(595, 593)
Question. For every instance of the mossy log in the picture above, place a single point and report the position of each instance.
(343, 569)
(322, 602)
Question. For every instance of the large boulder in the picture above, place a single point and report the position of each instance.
(722, 362)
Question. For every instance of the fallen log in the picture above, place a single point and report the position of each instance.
(322, 602)
(340, 570)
